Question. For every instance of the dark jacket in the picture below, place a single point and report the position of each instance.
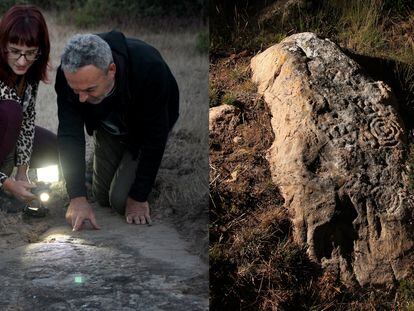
(149, 107)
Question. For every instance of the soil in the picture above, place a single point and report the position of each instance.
(239, 172)
(241, 190)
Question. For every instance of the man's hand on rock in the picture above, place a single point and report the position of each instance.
(137, 212)
(78, 212)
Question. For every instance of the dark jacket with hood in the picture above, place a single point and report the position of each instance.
(148, 106)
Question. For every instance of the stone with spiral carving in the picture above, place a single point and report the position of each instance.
(339, 159)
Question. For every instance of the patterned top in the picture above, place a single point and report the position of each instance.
(24, 144)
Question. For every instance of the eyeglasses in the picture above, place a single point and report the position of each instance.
(16, 54)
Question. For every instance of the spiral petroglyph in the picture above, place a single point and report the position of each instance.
(386, 132)
(386, 201)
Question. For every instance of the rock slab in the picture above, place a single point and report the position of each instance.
(120, 267)
(339, 158)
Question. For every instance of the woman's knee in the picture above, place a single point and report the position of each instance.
(11, 116)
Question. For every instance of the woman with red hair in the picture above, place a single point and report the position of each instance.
(24, 56)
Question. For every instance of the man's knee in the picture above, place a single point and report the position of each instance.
(114, 199)
(117, 201)
(100, 196)
(123, 179)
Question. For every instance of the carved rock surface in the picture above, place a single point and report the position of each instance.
(339, 159)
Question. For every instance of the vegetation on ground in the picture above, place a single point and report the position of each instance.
(381, 28)
(254, 263)
(87, 13)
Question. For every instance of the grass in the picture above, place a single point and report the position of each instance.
(238, 86)
(406, 292)
(262, 269)
(214, 95)
(229, 99)
(90, 13)
(363, 27)
(375, 27)
(254, 263)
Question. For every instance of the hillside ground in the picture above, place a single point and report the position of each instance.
(254, 264)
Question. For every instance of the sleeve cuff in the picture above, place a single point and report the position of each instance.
(139, 197)
(3, 177)
(74, 193)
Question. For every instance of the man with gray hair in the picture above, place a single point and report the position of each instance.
(124, 94)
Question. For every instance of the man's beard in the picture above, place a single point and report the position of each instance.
(95, 100)
(98, 100)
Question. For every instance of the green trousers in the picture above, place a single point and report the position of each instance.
(113, 171)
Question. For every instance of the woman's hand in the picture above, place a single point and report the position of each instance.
(20, 189)
(21, 174)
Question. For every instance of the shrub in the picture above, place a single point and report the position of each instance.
(90, 12)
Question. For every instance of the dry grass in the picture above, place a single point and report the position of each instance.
(367, 28)
(14, 231)
(381, 28)
(363, 27)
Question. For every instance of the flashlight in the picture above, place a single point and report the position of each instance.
(38, 206)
